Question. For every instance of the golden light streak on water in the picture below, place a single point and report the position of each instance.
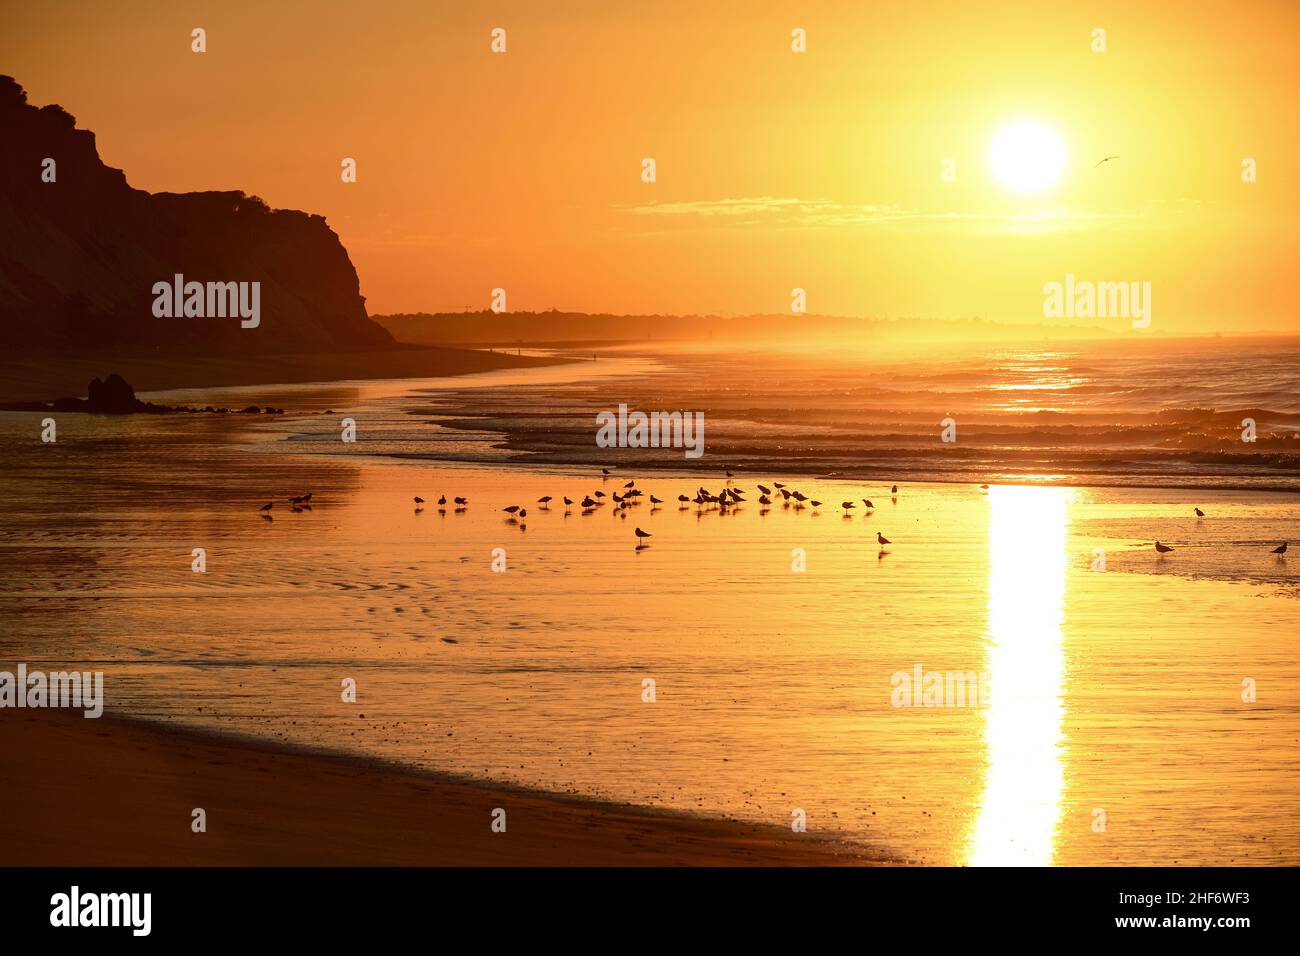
(1021, 803)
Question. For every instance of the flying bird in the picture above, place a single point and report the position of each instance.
(1105, 160)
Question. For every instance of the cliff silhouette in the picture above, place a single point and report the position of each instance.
(79, 256)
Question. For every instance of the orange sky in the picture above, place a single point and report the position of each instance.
(522, 170)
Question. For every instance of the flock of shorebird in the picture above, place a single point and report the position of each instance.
(726, 500)
(1163, 549)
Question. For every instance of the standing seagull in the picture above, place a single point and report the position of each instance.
(1163, 548)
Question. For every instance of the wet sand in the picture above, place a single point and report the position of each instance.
(1118, 691)
(109, 792)
(45, 377)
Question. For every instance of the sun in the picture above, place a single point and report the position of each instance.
(1027, 156)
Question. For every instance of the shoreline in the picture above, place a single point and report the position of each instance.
(38, 377)
(275, 805)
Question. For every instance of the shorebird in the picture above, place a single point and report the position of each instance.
(295, 500)
(588, 502)
(764, 500)
(605, 472)
(882, 540)
(683, 499)
(523, 513)
(867, 502)
(816, 504)
(655, 501)
(1163, 548)
(267, 507)
(643, 534)
(1199, 512)
(461, 501)
(630, 484)
(846, 505)
(1281, 550)
(765, 489)
(512, 509)
(568, 502)
(442, 500)
(894, 490)
(1105, 160)
(729, 474)
(799, 495)
(777, 484)
(600, 494)
(419, 500)
(307, 496)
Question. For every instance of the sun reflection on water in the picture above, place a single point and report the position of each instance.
(1021, 802)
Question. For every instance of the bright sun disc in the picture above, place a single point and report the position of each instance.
(1027, 156)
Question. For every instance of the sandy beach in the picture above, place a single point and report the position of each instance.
(47, 376)
(116, 793)
(774, 685)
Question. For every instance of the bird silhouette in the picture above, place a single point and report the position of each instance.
(419, 500)
(1281, 550)
(1199, 513)
(512, 509)
(846, 505)
(1105, 160)
(442, 500)
(643, 534)
(267, 507)
(882, 540)
(1163, 548)
(461, 501)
